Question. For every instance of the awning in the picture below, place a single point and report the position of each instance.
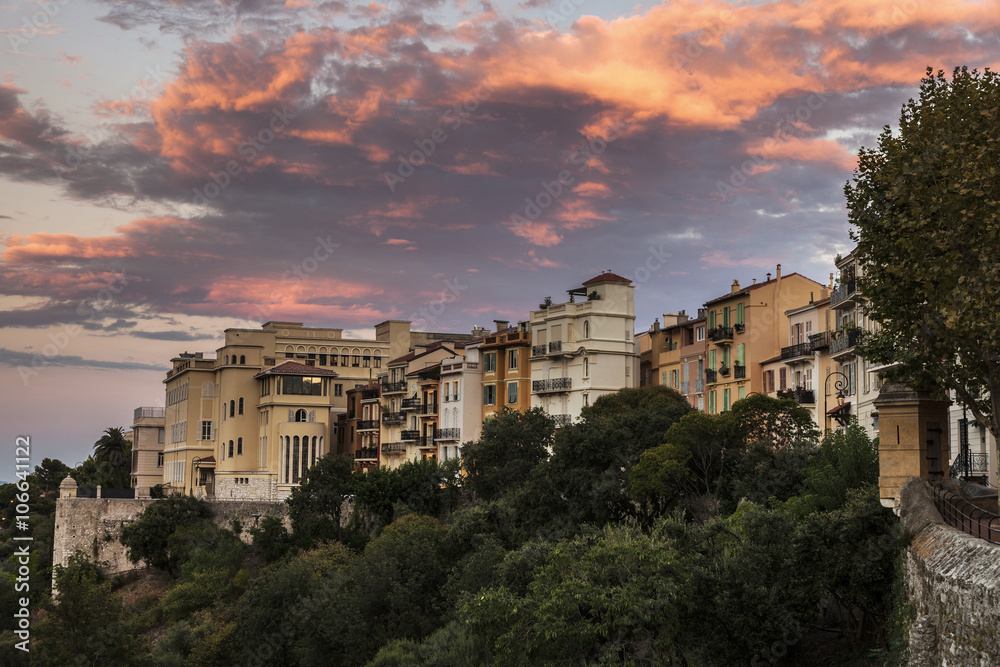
(840, 409)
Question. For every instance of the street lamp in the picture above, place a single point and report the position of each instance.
(839, 385)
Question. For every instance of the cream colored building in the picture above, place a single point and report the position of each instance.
(249, 423)
(460, 412)
(807, 361)
(585, 348)
(148, 438)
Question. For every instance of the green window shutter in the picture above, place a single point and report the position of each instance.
(739, 354)
(711, 320)
(725, 316)
(739, 313)
(711, 402)
(711, 359)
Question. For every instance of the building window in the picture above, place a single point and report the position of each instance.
(699, 333)
(711, 402)
(206, 430)
(490, 362)
(456, 390)
(355, 360)
(739, 313)
(586, 367)
(512, 392)
(243, 360)
(338, 390)
(742, 392)
(239, 445)
(489, 394)
(302, 386)
(586, 329)
(231, 448)
(160, 433)
(241, 405)
(725, 400)
(586, 400)
(232, 408)
(300, 415)
(782, 378)
(663, 378)
(512, 359)
(366, 361)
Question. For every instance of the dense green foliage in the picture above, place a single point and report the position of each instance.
(926, 204)
(651, 535)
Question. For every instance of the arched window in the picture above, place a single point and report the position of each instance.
(239, 445)
(230, 449)
(241, 405)
(226, 359)
(312, 458)
(295, 460)
(232, 408)
(586, 329)
(243, 359)
(300, 416)
(586, 367)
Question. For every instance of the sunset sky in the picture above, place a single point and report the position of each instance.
(170, 169)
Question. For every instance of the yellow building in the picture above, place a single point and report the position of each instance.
(506, 369)
(746, 327)
(148, 438)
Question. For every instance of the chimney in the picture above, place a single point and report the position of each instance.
(501, 325)
(754, 281)
(831, 281)
(735, 287)
(769, 276)
(778, 274)
(656, 325)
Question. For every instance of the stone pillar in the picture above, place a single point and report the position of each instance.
(913, 438)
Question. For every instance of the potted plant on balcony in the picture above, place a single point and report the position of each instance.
(723, 370)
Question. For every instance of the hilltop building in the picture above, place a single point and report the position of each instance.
(148, 436)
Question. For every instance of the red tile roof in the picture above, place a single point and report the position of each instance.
(607, 276)
(295, 368)
(750, 288)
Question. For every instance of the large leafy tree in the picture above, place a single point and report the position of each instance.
(113, 452)
(511, 445)
(316, 506)
(149, 538)
(926, 204)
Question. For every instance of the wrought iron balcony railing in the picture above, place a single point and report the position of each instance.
(739, 371)
(562, 420)
(367, 424)
(392, 417)
(366, 454)
(846, 340)
(409, 435)
(721, 335)
(447, 434)
(710, 376)
(393, 447)
(973, 464)
(552, 384)
(797, 350)
(843, 292)
(409, 404)
(369, 394)
(393, 387)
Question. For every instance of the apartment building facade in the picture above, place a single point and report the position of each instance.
(460, 412)
(674, 355)
(358, 430)
(148, 439)
(506, 371)
(583, 350)
(806, 362)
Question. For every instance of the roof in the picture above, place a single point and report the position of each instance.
(750, 288)
(433, 347)
(771, 360)
(295, 368)
(208, 459)
(845, 407)
(607, 277)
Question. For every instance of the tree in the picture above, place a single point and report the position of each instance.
(49, 474)
(113, 452)
(148, 539)
(926, 204)
(511, 445)
(317, 504)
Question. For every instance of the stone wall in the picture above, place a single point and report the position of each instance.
(954, 582)
(94, 526)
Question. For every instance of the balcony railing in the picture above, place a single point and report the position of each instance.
(843, 292)
(393, 447)
(721, 335)
(799, 395)
(819, 341)
(724, 371)
(428, 409)
(710, 376)
(797, 350)
(739, 371)
(562, 420)
(366, 454)
(978, 464)
(409, 403)
(685, 387)
(846, 339)
(426, 441)
(154, 413)
(552, 384)
(447, 434)
(409, 435)
(555, 347)
(369, 394)
(393, 387)
(367, 424)
(699, 385)
(392, 417)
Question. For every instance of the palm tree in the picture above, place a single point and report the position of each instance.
(113, 452)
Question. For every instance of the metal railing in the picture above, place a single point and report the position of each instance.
(366, 453)
(685, 387)
(447, 434)
(739, 371)
(409, 403)
(847, 339)
(819, 341)
(552, 384)
(150, 412)
(409, 435)
(720, 334)
(369, 394)
(393, 447)
(562, 420)
(710, 376)
(978, 464)
(393, 387)
(797, 350)
(367, 424)
(843, 292)
(966, 517)
(699, 385)
(392, 417)
(428, 409)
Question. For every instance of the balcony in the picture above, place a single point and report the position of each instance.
(844, 295)
(843, 344)
(799, 395)
(393, 387)
(562, 420)
(393, 417)
(710, 376)
(447, 434)
(426, 442)
(370, 394)
(699, 386)
(685, 387)
(409, 435)
(367, 424)
(739, 372)
(721, 335)
(152, 413)
(552, 384)
(796, 351)
(820, 341)
(427, 409)
(970, 464)
(409, 404)
(366, 454)
(393, 448)
(724, 371)
(555, 347)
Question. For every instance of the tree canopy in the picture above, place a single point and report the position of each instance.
(926, 205)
